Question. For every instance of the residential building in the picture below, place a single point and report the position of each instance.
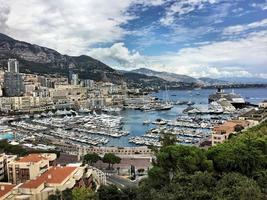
(256, 115)
(54, 179)
(13, 66)
(263, 104)
(29, 167)
(4, 160)
(13, 84)
(221, 132)
(74, 79)
(6, 190)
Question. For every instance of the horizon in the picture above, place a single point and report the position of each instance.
(201, 38)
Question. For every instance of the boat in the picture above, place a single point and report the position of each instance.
(235, 99)
(191, 110)
(181, 102)
(167, 105)
(190, 103)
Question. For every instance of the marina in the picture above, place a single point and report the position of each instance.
(127, 126)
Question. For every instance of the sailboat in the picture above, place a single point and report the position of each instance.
(167, 105)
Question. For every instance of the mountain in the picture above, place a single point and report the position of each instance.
(245, 80)
(212, 81)
(42, 60)
(136, 80)
(171, 77)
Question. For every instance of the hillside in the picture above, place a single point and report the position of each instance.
(171, 77)
(38, 59)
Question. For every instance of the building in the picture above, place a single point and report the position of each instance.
(256, 115)
(263, 104)
(57, 178)
(4, 160)
(26, 104)
(13, 84)
(144, 151)
(221, 132)
(29, 167)
(74, 79)
(13, 66)
(6, 190)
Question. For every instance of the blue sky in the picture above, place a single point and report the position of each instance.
(215, 38)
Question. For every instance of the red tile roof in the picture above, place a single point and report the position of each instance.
(32, 158)
(5, 188)
(55, 175)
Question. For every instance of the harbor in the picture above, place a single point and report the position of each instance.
(127, 126)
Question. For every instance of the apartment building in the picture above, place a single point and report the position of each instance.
(4, 160)
(57, 178)
(221, 132)
(256, 115)
(29, 167)
(6, 190)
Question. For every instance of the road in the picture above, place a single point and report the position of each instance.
(120, 182)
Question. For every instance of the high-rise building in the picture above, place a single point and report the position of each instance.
(13, 84)
(74, 79)
(70, 75)
(13, 66)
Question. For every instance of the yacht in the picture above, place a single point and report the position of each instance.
(235, 99)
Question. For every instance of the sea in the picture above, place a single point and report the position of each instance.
(133, 119)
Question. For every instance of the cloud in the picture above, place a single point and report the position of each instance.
(119, 55)
(245, 57)
(3, 16)
(183, 7)
(68, 26)
(237, 29)
(262, 6)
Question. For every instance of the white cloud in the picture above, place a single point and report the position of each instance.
(244, 57)
(67, 26)
(241, 28)
(117, 54)
(183, 7)
(262, 6)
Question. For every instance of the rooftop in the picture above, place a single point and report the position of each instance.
(32, 158)
(55, 175)
(5, 188)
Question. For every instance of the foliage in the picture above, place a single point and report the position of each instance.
(234, 186)
(235, 169)
(91, 158)
(7, 148)
(82, 194)
(109, 193)
(12, 149)
(167, 139)
(111, 159)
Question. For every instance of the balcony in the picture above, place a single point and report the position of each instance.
(78, 175)
(68, 185)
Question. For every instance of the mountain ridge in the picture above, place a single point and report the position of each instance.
(38, 59)
(171, 77)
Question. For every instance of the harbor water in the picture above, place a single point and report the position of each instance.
(133, 119)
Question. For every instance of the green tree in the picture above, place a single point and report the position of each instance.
(83, 193)
(56, 196)
(110, 192)
(111, 159)
(236, 186)
(167, 139)
(91, 158)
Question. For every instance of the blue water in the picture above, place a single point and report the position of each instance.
(133, 119)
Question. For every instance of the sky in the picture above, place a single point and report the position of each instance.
(200, 38)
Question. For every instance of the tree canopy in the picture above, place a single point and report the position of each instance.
(91, 158)
(111, 159)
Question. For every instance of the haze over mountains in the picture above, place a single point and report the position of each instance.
(42, 60)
